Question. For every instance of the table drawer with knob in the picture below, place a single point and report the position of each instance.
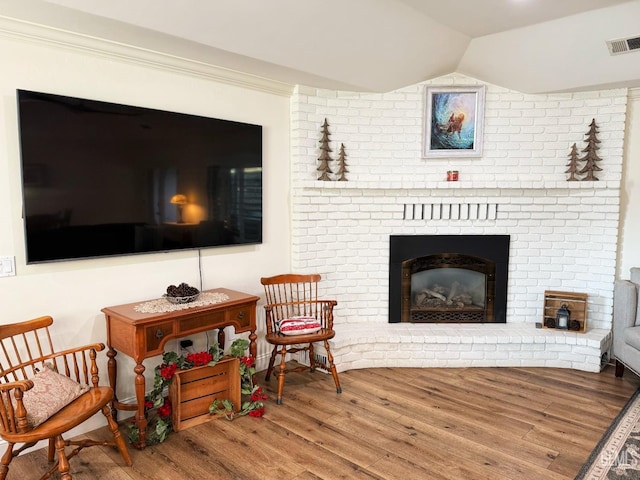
(155, 334)
(241, 316)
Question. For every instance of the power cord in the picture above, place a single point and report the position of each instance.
(200, 267)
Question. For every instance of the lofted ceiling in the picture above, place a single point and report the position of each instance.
(532, 46)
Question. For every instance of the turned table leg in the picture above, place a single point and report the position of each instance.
(253, 349)
(221, 338)
(113, 378)
(141, 419)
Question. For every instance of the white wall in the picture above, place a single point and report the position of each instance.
(629, 250)
(74, 292)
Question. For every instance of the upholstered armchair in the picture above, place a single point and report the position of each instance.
(626, 323)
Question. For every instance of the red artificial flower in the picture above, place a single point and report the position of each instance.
(249, 361)
(259, 412)
(258, 395)
(148, 404)
(165, 410)
(200, 358)
(167, 371)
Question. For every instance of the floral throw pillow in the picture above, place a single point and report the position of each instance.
(51, 392)
(300, 325)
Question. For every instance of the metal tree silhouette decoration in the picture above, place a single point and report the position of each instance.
(324, 157)
(591, 157)
(573, 164)
(342, 164)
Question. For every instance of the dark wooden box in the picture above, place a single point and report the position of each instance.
(575, 302)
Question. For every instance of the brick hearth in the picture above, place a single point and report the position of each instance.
(465, 345)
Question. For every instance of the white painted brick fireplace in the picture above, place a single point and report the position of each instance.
(563, 235)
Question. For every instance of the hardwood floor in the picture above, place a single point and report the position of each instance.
(389, 423)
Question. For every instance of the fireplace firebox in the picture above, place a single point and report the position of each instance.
(448, 278)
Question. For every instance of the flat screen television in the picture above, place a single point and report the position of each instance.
(103, 179)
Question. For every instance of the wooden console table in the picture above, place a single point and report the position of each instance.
(144, 335)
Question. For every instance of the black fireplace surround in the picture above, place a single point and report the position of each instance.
(494, 249)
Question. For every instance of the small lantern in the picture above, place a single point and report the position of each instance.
(563, 317)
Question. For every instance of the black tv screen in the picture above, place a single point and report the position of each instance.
(104, 179)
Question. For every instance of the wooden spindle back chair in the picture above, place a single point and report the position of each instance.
(292, 295)
(26, 351)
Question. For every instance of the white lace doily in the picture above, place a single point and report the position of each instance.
(162, 305)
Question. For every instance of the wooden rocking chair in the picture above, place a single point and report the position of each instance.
(45, 393)
(293, 296)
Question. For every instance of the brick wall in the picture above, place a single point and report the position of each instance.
(563, 234)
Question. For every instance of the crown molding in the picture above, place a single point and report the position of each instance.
(36, 33)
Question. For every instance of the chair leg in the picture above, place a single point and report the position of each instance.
(51, 450)
(117, 437)
(619, 368)
(281, 373)
(63, 462)
(272, 360)
(312, 358)
(332, 367)
(6, 460)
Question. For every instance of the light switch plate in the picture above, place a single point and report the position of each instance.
(7, 266)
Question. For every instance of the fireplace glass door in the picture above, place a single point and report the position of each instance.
(448, 288)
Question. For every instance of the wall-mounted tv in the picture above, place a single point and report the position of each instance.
(103, 179)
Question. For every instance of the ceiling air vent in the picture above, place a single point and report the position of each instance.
(623, 45)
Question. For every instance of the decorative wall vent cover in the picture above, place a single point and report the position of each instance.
(623, 45)
(450, 211)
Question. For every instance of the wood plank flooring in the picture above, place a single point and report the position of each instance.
(389, 423)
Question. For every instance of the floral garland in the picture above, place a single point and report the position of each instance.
(157, 405)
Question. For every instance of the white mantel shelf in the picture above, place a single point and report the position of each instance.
(460, 185)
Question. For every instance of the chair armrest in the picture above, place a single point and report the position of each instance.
(14, 413)
(23, 385)
(625, 304)
(98, 347)
(78, 363)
